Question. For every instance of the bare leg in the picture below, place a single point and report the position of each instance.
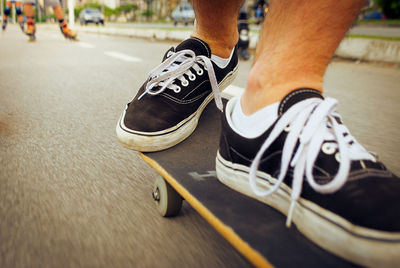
(29, 10)
(30, 14)
(298, 40)
(216, 24)
(58, 12)
(19, 12)
(7, 11)
(290, 138)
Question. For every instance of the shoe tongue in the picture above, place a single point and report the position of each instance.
(198, 46)
(296, 96)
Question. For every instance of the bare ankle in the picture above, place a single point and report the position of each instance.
(221, 47)
(264, 88)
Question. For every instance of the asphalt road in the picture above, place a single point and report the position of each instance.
(71, 196)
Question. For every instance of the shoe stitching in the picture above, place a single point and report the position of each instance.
(285, 100)
(156, 133)
(326, 173)
(263, 160)
(362, 174)
(208, 51)
(207, 80)
(182, 101)
(198, 85)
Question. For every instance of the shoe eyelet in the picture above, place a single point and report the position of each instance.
(170, 53)
(192, 77)
(185, 83)
(329, 148)
(177, 89)
(337, 157)
(287, 128)
(200, 72)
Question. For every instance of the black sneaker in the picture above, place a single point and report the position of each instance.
(309, 167)
(168, 106)
(4, 25)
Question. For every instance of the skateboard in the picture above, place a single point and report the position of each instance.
(257, 231)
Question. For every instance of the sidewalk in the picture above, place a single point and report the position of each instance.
(355, 47)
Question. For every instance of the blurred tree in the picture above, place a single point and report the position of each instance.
(128, 10)
(391, 8)
(77, 11)
(108, 12)
(149, 13)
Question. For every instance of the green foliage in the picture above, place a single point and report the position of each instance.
(93, 5)
(148, 13)
(127, 8)
(373, 37)
(380, 22)
(108, 12)
(391, 8)
(44, 18)
(77, 11)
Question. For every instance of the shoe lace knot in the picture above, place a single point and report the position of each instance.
(311, 125)
(175, 67)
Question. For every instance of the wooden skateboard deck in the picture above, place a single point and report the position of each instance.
(256, 230)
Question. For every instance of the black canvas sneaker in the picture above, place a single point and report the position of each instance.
(168, 106)
(309, 167)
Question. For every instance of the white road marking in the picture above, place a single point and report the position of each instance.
(85, 45)
(232, 91)
(122, 56)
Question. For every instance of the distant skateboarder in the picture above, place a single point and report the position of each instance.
(7, 12)
(58, 12)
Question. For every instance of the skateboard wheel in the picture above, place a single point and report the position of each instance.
(168, 201)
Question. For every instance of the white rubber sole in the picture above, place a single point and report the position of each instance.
(359, 245)
(157, 141)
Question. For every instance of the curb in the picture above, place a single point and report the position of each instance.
(369, 50)
(363, 49)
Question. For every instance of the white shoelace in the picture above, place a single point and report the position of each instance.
(311, 122)
(174, 67)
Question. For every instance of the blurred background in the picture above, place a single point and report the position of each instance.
(162, 11)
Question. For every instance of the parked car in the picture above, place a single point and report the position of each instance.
(91, 15)
(183, 13)
(374, 15)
